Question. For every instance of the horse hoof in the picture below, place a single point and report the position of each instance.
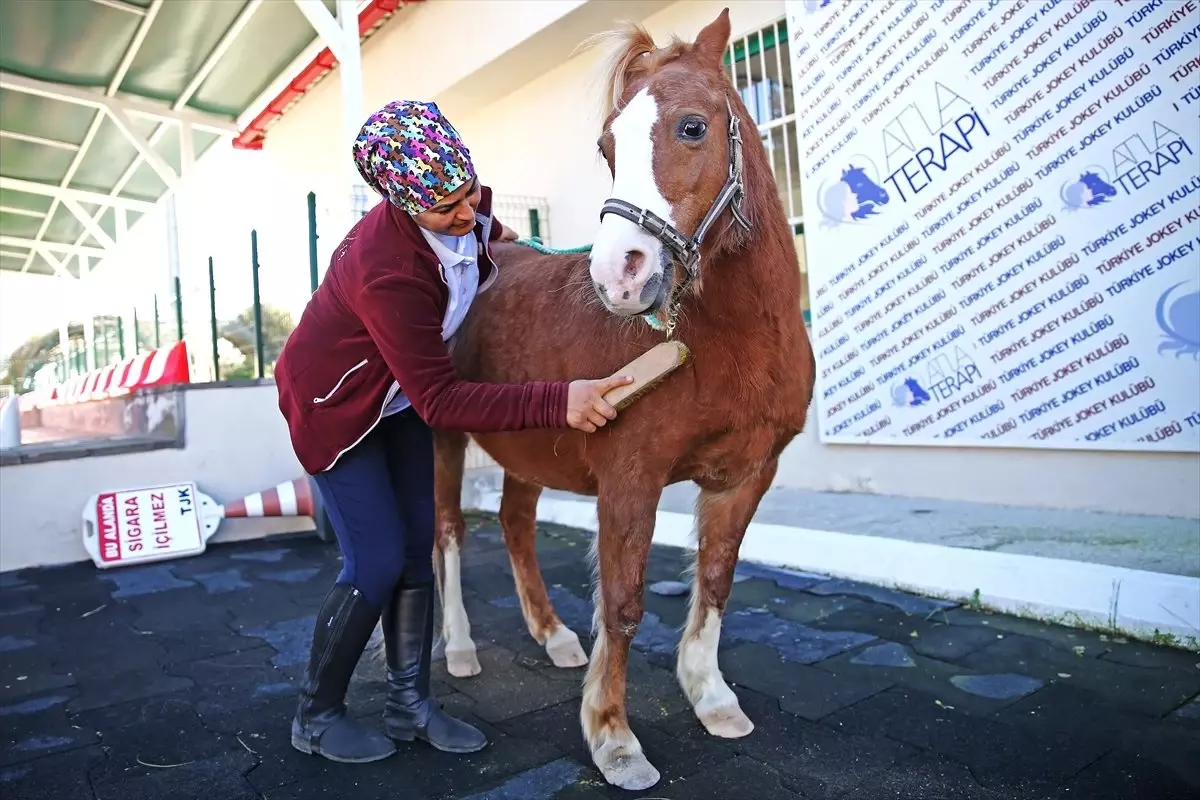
(727, 722)
(462, 663)
(564, 649)
(626, 770)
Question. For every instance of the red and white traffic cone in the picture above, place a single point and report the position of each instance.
(289, 499)
(294, 498)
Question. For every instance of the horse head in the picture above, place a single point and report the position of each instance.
(670, 141)
(865, 189)
(1100, 188)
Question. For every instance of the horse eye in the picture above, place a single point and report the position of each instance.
(692, 128)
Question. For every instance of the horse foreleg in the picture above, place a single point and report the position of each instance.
(621, 548)
(518, 518)
(449, 456)
(722, 521)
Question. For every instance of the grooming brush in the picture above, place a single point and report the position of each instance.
(648, 370)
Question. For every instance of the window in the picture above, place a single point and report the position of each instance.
(761, 69)
(362, 199)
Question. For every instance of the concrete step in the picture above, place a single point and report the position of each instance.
(1136, 575)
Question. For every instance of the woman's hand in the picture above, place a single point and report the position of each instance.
(587, 410)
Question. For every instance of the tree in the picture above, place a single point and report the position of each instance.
(32, 355)
(41, 349)
(277, 325)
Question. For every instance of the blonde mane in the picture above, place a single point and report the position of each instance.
(630, 53)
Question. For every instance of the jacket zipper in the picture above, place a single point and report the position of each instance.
(341, 380)
(392, 392)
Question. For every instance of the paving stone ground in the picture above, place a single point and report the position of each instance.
(178, 681)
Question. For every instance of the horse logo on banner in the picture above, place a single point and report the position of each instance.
(853, 196)
(1180, 323)
(1090, 190)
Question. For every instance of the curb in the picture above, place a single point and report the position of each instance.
(1151, 606)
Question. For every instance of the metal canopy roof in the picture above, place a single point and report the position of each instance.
(97, 98)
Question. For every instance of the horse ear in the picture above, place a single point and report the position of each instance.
(713, 40)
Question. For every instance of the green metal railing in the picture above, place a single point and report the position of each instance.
(212, 304)
(250, 333)
(258, 332)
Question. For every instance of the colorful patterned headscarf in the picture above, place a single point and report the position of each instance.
(411, 154)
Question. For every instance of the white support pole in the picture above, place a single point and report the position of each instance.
(187, 150)
(181, 224)
(64, 345)
(89, 321)
(172, 239)
(329, 29)
(173, 271)
(350, 65)
(353, 111)
(340, 35)
(122, 229)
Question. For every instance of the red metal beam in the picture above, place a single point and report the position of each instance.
(255, 133)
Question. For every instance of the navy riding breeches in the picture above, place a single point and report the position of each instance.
(379, 497)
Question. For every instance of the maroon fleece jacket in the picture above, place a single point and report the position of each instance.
(375, 319)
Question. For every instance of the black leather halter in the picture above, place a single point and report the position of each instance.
(684, 249)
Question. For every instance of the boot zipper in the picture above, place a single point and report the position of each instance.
(331, 644)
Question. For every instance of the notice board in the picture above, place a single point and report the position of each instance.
(1002, 220)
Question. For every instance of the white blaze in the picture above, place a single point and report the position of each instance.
(634, 183)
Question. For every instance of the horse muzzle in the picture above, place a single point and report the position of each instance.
(628, 270)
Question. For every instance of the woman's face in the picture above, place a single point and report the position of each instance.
(455, 215)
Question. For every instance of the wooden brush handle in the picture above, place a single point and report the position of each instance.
(648, 370)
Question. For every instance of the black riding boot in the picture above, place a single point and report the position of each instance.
(411, 712)
(321, 727)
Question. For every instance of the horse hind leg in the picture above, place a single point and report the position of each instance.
(723, 518)
(449, 458)
(518, 519)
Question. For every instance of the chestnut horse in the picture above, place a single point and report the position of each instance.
(695, 242)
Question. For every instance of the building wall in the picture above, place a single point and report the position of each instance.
(537, 136)
(236, 444)
(540, 139)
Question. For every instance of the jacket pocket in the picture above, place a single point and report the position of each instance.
(341, 380)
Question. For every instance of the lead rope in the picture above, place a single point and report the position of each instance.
(535, 242)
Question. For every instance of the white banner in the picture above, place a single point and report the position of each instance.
(1002, 220)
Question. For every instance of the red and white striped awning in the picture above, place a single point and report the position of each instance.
(159, 367)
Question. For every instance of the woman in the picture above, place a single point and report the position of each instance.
(361, 379)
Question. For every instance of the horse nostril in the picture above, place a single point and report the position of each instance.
(600, 287)
(634, 259)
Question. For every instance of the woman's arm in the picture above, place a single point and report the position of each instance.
(401, 315)
(502, 232)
